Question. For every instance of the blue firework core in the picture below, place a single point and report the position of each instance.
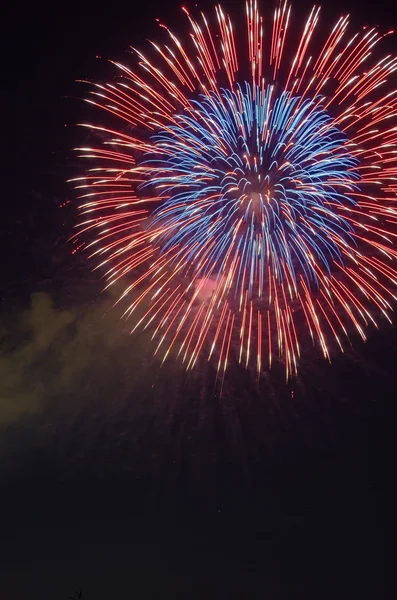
(253, 182)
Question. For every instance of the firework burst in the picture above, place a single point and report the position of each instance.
(246, 199)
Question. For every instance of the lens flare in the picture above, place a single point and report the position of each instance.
(247, 199)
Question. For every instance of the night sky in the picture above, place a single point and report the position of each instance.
(132, 481)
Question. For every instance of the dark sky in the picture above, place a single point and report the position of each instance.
(138, 483)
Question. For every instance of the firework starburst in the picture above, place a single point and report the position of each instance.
(245, 200)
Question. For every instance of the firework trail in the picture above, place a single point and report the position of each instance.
(248, 197)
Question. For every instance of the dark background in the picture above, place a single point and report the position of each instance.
(135, 482)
